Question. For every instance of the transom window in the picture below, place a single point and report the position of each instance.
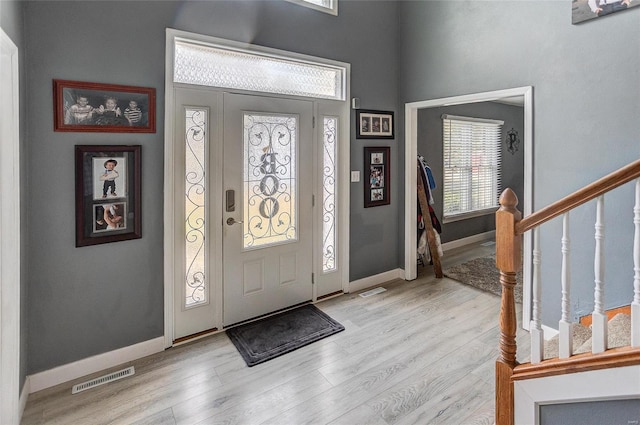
(472, 166)
(220, 66)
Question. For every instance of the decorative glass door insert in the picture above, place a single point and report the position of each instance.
(270, 189)
(329, 194)
(196, 289)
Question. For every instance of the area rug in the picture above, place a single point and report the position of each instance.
(482, 273)
(282, 333)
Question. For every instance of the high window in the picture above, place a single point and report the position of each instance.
(327, 6)
(472, 166)
(205, 64)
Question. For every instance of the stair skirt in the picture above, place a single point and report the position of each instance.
(605, 384)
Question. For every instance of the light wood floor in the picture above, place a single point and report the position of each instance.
(422, 352)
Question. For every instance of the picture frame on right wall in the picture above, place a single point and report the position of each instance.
(377, 176)
(586, 10)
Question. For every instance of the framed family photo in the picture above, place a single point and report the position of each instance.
(376, 172)
(110, 108)
(374, 124)
(586, 10)
(107, 194)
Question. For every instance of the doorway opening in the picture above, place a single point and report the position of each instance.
(411, 152)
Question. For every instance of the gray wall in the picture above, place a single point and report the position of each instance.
(610, 412)
(585, 117)
(430, 146)
(90, 300)
(12, 23)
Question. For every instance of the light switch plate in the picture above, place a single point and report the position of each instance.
(355, 176)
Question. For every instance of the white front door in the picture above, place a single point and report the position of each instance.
(267, 217)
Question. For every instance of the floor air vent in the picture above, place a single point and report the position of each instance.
(371, 292)
(103, 380)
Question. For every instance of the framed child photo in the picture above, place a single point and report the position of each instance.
(376, 172)
(107, 194)
(109, 108)
(374, 124)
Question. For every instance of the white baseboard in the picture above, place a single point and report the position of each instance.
(368, 282)
(49, 378)
(24, 395)
(480, 237)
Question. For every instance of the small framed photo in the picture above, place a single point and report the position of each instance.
(109, 108)
(107, 194)
(374, 124)
(377, 177)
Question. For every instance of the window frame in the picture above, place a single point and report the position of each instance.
(333, 10)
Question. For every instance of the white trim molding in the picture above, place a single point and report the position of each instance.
(597, 385)
(369, 281)
(58, 375)
(24, 396)
(10, 278)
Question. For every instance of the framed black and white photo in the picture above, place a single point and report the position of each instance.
(586, 10)
(377, 177)
(108, 108)
(107, 194)
(374, 124)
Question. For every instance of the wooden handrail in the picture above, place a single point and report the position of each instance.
(587, 193)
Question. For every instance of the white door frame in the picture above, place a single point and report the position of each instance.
(9, 233)
(411, 152)
(342, 171)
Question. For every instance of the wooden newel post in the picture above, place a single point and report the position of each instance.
(508, 261)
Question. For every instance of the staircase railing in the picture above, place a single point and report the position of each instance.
(509, 230)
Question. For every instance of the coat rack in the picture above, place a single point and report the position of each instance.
(426, 217)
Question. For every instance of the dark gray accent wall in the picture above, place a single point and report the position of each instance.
(430, 146)
(585, 121)
(12, 23)
(610, 412)
(91, 300)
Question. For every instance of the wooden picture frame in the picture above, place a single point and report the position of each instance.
(374, 124)
(108, 108)
(107, 194)
(376, 176)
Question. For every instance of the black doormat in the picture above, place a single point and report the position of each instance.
(282, 333)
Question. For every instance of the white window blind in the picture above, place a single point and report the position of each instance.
(472, 166)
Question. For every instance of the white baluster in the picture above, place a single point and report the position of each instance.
(635, 306)
(565, 348)
(537, 340)
(599, 318)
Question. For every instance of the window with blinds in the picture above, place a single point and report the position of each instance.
(471, 165)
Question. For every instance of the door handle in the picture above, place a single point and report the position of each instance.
(231, 221)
